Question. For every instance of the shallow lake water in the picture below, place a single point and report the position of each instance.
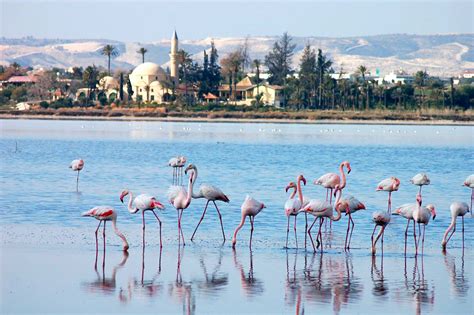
(48, 251)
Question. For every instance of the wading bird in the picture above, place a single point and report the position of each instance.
(389, 184)
(353, 205)
(104, 214)
(421, 180)
(331, 181)
(422, 215)
(293, 205)
(77, 166)
(181, 199)
(320, 210)
(458, 209)
(250, 208)
(210, 193)
(469, 182)
(382, 219)
(143, 203)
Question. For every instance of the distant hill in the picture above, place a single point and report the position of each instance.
(442, 55)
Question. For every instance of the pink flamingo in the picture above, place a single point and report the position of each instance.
(353, 205)
(293, 205)
(143, 203)
(422, 215)
(406, 211)
(250, 207)
(331, 181)
(320, 209)
(458, 209)
(181, 199)
(389, 184)
(77, 166)
(104, 214)
(469, 182)
(210, 193)
(177, 163)
(421, 180)
(382, 219)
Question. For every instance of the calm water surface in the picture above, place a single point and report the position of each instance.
(48, 250)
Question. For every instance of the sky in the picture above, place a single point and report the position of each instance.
(147, 21)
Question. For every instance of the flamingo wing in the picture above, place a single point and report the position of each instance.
(100, 212)
(329, 180)
(251, 204)
(174, 192)
(420, 179)
(354, 204)
(406, 210)
(469, 182)
(317, 206)
(211, 192)
(292, 206)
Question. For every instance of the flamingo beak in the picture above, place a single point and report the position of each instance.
(304, 180)
(361, 206)
(121, 198)
(286, 188)
(348, 170)
(159, 205)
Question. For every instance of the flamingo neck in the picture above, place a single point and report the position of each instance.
(241, 224)
(119, 234)
(338, 216)
(130, 203)
(300, 192)
(293, 193)
(450, 227)
(190, 187)
(343, 177)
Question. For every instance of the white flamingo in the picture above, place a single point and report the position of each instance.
(210, 193)
(389, 184)
(181, 199)
(458, 209)
(422, 215)
(143, 203)
(353, 205)
(331, 181)
(104, 214)
(293, 205)
(77, 166)
(250, 208)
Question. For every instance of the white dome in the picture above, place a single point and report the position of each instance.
(149, 68)
(108, 82)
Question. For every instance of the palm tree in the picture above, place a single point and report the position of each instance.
(109, 51)
(142, 51)
(257, 64)
(362, 70)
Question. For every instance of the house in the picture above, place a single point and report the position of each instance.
(399, 77)
(246, 92)
(23, 106)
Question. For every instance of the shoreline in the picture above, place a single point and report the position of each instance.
(436, 122)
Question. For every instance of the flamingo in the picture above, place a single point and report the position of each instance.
(143, 203)
(420, 179)
(382, 219)
(422, 215)
(181, 163)
(77, 166)
(406, 211)
(458, 209)
(389, 184)
(469, 182)
(210, 193)
(331, 181)
(320, 209)
(104, 214)
(353, 205)
(173, 162)
(250, 207)
(293, 205)
(181, 199)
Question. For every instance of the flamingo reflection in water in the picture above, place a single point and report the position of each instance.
(380, 288)
(455, 267)
(251, 286)
(102, 284)
(417, 288)
(214, 282)
(182, 291)
(293, 287)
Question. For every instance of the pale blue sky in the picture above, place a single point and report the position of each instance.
(147, 20)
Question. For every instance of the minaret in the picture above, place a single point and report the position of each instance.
(174, 59)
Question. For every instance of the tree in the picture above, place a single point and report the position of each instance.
(90, 79)
(142, 51)
(307, 75)
(109, 51)
(256, 63)
(231, 66)
(323, 66)
(362, 71)
(420, 81)
(278, 59)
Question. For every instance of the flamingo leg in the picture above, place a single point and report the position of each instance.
(179, 229)
(143, 228)
(103, 234)
(372, 240)
(381, 232)
(419, 234)
(327, 191)
(347, 232)
(389, 207)
(306, 228)
(309, 233)
(472, 197)
(287, 231)
(97, 243)
(159, 221)
(77, 182)
(450, 235)
(220, 219)
(462, 219)
(180, 226)
(423, 241)
(200, 220)
(414, 236)
(251, 232)
(296, 237)
(406, 235)
(320, 234)
(350, 235)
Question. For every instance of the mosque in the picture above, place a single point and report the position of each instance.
(150, 83)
